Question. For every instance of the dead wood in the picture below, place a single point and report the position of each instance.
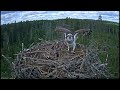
(50, 60)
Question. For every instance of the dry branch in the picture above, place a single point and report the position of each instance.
(52, 60)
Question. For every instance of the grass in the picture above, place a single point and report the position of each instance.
(5, 68)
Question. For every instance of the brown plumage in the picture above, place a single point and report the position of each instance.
(71, 37)
(61, 29)
(80, 31)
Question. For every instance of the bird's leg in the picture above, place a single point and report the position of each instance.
(74, 47)
(74, 43)
(68, 47)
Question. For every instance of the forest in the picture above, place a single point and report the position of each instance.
(105, 36)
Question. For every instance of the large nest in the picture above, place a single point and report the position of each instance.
(49, 60)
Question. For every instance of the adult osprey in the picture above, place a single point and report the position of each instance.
(71, 37)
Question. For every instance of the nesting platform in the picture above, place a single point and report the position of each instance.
(52, 60)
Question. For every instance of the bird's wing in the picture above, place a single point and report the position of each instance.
(82, 31)
(61, 29)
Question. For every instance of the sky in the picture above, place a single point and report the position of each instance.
(12, 16)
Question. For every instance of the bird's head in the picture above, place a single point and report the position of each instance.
(69, 38)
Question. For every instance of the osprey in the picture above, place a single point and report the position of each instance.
(71, 37)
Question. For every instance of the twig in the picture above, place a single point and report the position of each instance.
(38, 52)
(64, 66)
(12, 65)
(31, 45)
(8, 60)
(42, 60)
(51, 73)
(99, 71)
(22, 46)
(106, 58)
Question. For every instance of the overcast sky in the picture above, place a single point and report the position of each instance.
(12, 16)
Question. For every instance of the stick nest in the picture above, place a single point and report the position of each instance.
(51, 60)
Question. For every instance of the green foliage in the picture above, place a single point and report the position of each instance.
(104, 34)
(5, 68)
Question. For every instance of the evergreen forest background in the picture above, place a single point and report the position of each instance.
(105, 36)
